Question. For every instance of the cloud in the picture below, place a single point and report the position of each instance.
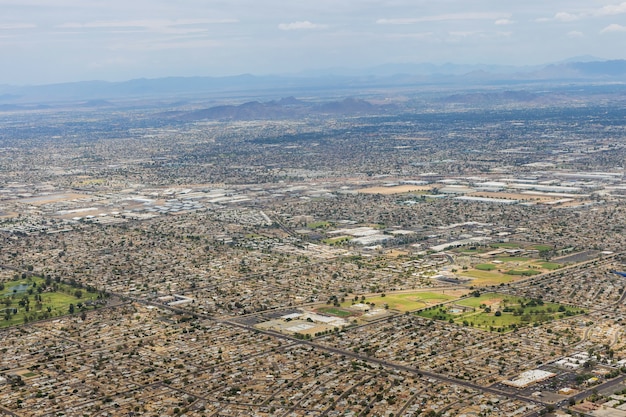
(466, 34)
(608, 10)
(560, 17)
(612, 9)
(143, 24)
(503, 22)
(613, 28)
(300, 25)
(165, 44)
(575, 34)
(418, 36)
(445, 17)
(566, 17)
(13, 26)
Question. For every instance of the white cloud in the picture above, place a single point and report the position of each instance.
(561, 17)
(575, 34)
(503, 22)
(165, 44)
(12, 26)
(464, 34)
(145, 24)
(612, 9)
(300, 25)
(566, 17)
(419, 35)
(613, 28)
(445, 17)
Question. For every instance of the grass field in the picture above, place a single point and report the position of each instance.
(34, 300)
(409, 301)
(499, 312)
(508, 269)
(551, 266)
(335, 311)
(319, 225)
(541, 247)
(337, 240)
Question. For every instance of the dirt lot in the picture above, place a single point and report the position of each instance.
(513, 196)
(398, 189)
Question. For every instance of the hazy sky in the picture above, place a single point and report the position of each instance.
(43, 41)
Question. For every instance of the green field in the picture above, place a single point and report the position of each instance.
(485, 267)
(551, 266)
(31, 299)
(406, 301)
(318, 225)
(337, 240)
(541, 247)
(499, 312)
(334, 311)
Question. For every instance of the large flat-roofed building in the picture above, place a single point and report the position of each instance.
(529, 377)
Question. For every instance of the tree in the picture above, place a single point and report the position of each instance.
(72, 309)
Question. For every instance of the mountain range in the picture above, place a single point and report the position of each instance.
(102, 93)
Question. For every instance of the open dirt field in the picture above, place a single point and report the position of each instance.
(399, 189)
(513, 196)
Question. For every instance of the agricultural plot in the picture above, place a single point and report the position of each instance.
(499, 312)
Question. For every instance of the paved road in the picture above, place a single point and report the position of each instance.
(4, 411)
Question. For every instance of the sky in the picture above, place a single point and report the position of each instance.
(51, 41)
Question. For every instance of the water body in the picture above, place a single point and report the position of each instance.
(20, 289)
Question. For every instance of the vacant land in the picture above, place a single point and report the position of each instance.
(484, 278)
(513, 196)
(398, 189)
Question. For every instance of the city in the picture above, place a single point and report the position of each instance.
(427, 256)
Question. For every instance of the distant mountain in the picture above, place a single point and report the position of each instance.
(98, 103)
(289, 107)
(313, 83)
(582, 58)
(348, 106)
(8, 97)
